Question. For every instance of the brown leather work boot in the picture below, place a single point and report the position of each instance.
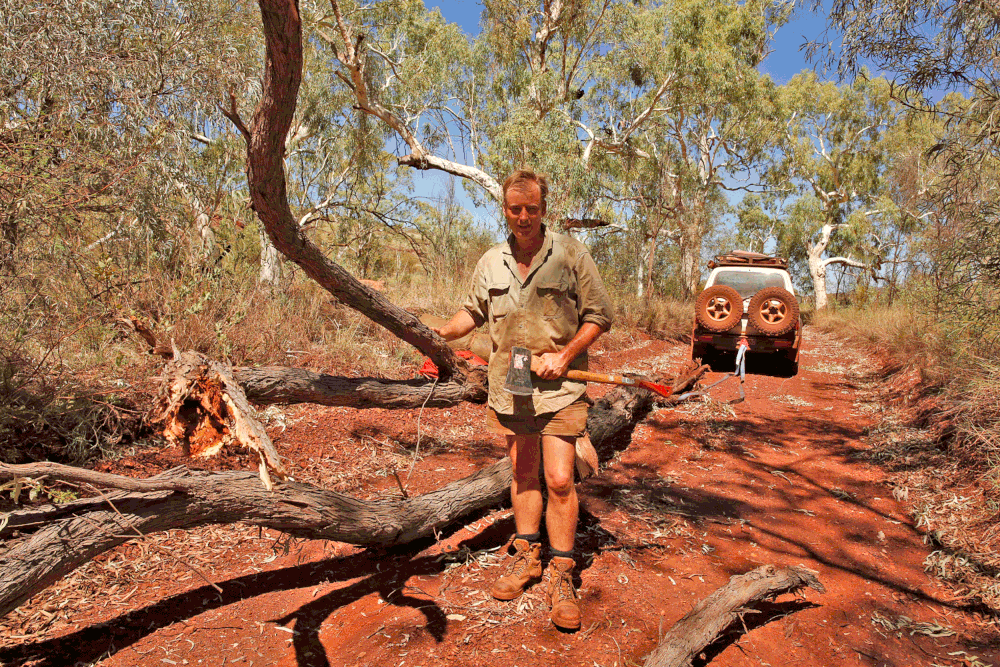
(561, 593)
(524, 565)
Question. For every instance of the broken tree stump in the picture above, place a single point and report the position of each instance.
(203, 408)
(703, 624)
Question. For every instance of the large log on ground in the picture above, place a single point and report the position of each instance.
(283, 385)
(700, 626)
(71, 534)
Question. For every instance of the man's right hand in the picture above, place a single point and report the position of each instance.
(458, 326)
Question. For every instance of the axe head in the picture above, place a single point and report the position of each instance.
(519, 372)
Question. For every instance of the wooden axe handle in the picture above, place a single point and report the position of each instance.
(607, 378)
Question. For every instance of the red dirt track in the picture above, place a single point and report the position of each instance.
(702, 492)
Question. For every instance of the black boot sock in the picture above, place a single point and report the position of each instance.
(562, 554)
(533, 538)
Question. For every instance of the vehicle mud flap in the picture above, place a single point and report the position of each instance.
(740, 372)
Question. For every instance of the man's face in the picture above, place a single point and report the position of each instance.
(524, 212)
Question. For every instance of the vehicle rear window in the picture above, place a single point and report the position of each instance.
(748, 284)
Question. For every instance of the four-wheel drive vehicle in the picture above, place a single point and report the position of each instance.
(748, 295)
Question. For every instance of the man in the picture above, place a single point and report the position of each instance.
(539, 290)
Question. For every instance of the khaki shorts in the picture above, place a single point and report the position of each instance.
(570, 421)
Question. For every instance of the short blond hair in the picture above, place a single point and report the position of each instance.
(527, 176)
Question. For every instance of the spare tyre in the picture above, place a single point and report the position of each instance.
(773, 311)
(719, 308)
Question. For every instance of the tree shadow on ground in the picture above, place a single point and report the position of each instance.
(381, 571)
(760, 615)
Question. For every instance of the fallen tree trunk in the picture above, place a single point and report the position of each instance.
(613, 418)
(66, 536)
(73, 533)
(700, 626)
(283, 385)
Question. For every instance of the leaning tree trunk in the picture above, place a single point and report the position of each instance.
(265, 173)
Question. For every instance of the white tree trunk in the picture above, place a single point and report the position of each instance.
(817, 270)
(270, 261)
(208, 248)
(640, 279)
(690, 257)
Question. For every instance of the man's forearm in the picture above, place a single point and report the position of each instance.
(459, 325)
(584, 338)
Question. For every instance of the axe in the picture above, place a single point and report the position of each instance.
(519, 376)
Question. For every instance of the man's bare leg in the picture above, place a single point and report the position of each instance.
(526, 496)
(525, 489)
(563, 507)
(560, 519)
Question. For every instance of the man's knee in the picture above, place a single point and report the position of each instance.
(559, 482)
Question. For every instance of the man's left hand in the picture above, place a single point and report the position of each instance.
(551, 366)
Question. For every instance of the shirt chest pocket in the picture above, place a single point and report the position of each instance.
(556, 301)
(500, 304)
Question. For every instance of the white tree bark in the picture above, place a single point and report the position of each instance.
(270, 261)
(207, 249)
(817, 265)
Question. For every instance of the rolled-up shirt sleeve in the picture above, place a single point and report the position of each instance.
(594, 303)
(477, 303)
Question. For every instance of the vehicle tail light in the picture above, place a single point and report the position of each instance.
(782, 343)
(704, 338)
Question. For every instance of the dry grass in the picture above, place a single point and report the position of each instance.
(941, 441)
(660, 317)
(160, 564)
(74, 381)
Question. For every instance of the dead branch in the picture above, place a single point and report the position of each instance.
(700, 626)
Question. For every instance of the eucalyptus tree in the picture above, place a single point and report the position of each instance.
(100, 102)
(100, 108)
(525, 92)
(832, 156)
(708, 130)
(927, 48)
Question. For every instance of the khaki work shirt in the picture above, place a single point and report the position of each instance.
(562, 291)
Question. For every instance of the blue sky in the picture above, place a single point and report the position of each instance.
(787, 59)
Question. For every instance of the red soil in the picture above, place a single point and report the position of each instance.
(702, 492)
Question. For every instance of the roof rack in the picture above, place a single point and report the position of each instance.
(745, 258)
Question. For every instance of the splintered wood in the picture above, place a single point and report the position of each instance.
(203, 409)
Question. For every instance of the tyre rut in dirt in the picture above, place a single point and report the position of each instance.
(773, 311)
(719, 308)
